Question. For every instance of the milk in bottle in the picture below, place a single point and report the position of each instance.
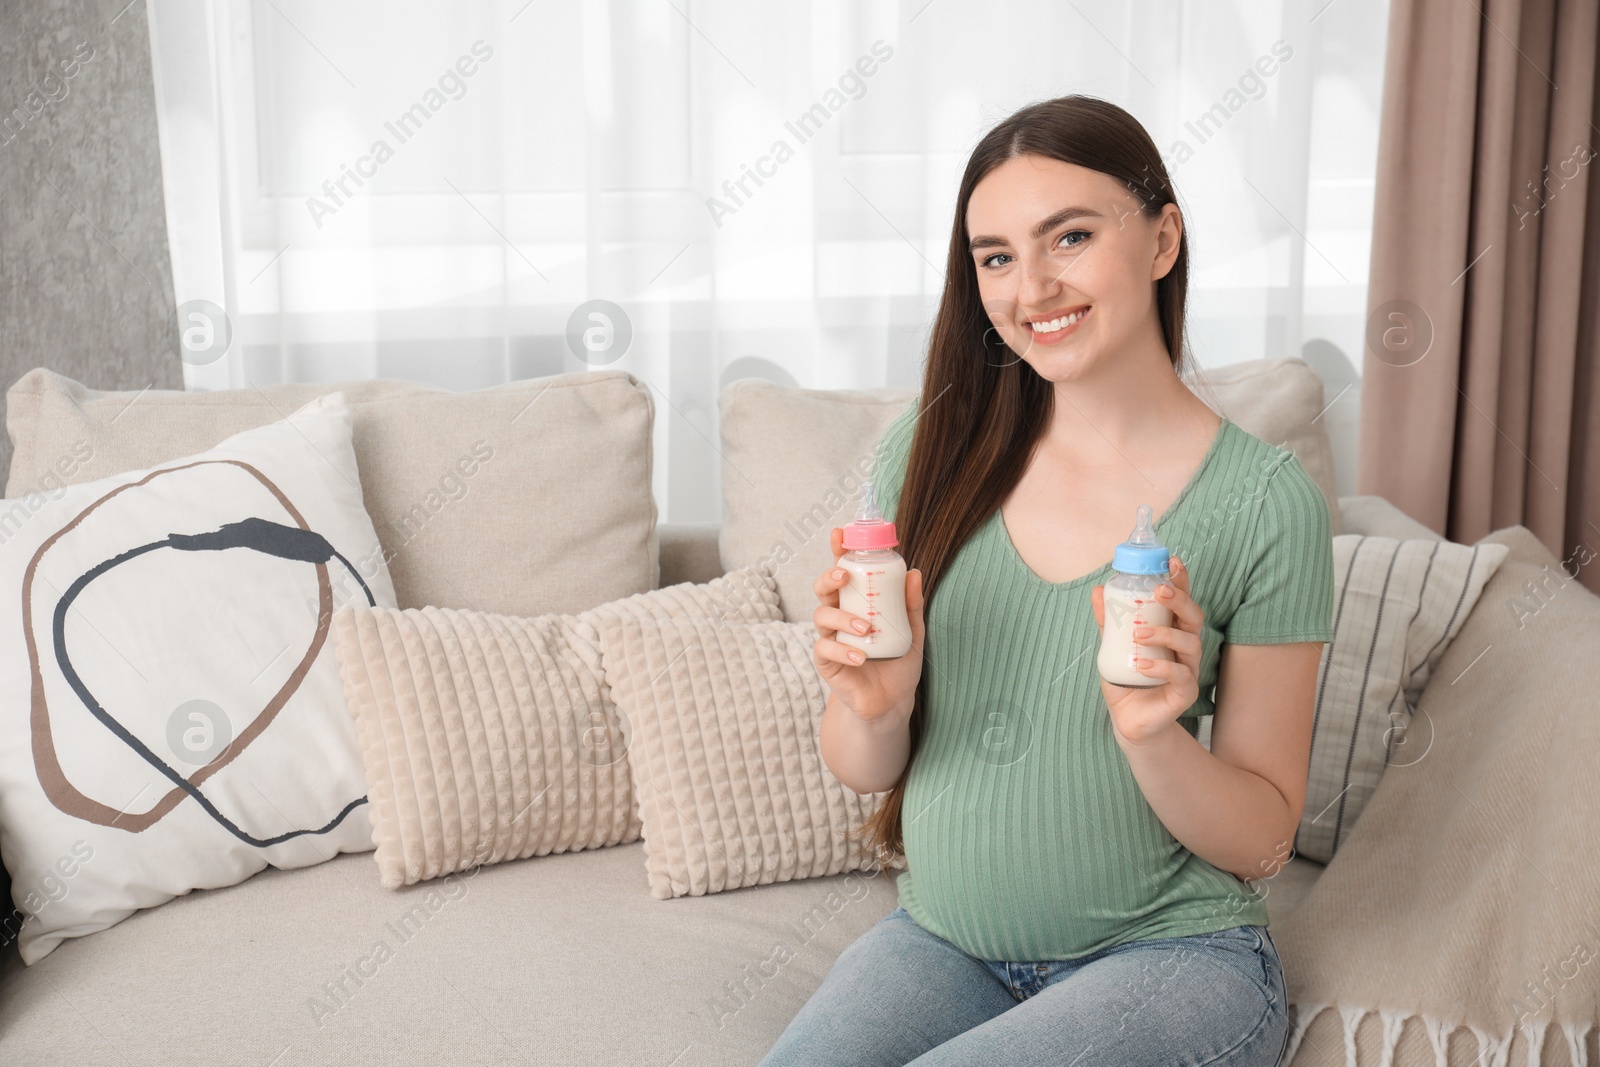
(877, 589)
(1141, 565)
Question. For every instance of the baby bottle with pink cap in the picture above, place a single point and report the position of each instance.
(877, 588)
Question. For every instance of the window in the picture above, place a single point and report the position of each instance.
(436, 191)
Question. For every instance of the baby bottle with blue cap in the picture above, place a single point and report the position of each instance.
(1141, 566)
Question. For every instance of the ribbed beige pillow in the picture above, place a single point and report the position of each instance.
(492, 737)
(525, 498)
(725, 756)
(793, 459)
(1397, 606)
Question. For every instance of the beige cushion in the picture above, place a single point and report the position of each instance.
(1281, 402)
(1376, 517)
(1397, 607)
(793, 459)
(558, 960)
(492, 737)
(527, 498)
(725, 754)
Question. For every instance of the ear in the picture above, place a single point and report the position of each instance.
(1169, 238)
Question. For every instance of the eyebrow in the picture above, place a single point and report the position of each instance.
(989, 240)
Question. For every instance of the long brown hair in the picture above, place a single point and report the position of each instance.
(982, 413)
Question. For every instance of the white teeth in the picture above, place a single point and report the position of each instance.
(1059, 324)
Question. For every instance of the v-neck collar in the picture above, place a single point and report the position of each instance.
(1105, 568)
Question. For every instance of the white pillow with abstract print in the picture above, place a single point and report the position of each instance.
(171, 712)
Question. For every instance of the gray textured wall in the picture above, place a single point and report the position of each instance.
(85, 278)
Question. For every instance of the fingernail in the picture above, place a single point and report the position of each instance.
(859, 627)
(856, 657)
(838, 575)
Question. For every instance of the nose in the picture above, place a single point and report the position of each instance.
(1041, 285)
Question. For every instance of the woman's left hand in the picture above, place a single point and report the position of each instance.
(1139, 714)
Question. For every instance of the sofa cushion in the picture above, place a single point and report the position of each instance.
(1376, 517)
(1280, 401)
(724, 718)
(525, 498)
(171, 716)
(561, 959)
(794, 459)
(494, 737)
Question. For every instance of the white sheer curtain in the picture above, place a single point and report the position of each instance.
(439, 191)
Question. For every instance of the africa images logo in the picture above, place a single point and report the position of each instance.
(804, 127)
(50, 89)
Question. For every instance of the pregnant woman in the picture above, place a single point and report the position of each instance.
(1077, 861)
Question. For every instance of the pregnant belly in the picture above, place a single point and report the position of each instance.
(1041, 861)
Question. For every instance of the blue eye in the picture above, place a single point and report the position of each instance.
(1084, 235)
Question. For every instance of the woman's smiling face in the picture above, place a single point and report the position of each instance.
(1066, 248)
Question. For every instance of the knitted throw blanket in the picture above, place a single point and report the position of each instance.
(1460, 922)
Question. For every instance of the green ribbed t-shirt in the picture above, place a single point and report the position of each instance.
(1026, 835)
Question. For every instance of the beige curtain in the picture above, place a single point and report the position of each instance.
(1480, 399)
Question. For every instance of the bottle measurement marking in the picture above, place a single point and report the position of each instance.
(871, 594)
(869, 541)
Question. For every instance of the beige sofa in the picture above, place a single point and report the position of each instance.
(558, 959)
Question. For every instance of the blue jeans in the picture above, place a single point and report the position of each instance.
(900, 994)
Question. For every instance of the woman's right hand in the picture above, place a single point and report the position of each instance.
(872, 688)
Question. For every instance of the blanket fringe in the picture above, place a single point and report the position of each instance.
(1494, 1050)
(1577, 1035)
(1533, 1037)
(1352, 1021)
(1439, 1038)
(1393, 1023)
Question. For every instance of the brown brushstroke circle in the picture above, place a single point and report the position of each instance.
(62, 793)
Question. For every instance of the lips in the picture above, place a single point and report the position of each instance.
(1057, 324)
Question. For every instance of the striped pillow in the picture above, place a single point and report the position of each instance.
(1397, 606)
